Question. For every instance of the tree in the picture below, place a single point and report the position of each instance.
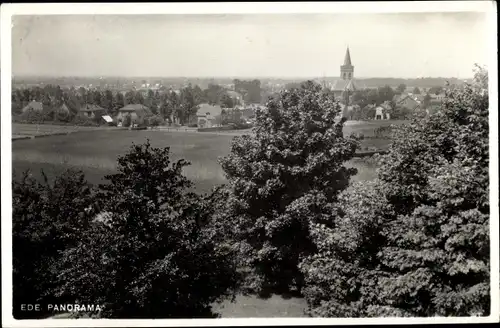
(436, 90)
(129, 97)
(427, 100)
(107, 101)
(249, 89)
(416, 91)
(401, 88)
(188, 106)
(213, 94)
(149, 253)
(138, 98)
(415, 242)
(359, 97)
(226, 101)
(283, 177)
(198, 94)
(127, 121)
(47, 218)
(385, 93)
(118, 102)
(372, 97)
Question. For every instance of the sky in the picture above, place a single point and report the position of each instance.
(405, 45)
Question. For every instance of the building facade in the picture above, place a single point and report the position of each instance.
(347, 84)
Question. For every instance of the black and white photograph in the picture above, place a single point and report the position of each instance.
(253, 162)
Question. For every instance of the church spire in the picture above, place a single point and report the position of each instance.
(347, 59)
(347, 70)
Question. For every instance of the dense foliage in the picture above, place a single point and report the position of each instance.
(415, 242)
(47, 218)
(140, 246)
(282, 177)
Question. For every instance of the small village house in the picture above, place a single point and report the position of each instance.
(407, 101)
(92, 111)
(137, 112)
(209, 116)
(381, 113)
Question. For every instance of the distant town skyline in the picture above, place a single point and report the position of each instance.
(405, 45)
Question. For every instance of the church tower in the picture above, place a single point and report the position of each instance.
(347, 70)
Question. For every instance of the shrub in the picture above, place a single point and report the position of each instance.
(401, 113)
(31, 116)
(47, 218)
(62, 116)
(155, 120)
(282, 177)
(151, 253)
(416, 241)
(383, 132)
(82, 120)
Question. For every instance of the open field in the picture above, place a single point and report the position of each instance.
(22, 129)
(95, 152)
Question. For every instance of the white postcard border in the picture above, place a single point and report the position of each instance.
(8, 10)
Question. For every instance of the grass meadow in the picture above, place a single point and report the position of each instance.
(95, 153)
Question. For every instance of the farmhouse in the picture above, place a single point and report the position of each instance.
(407, 102)
(381, 113)
(33, 106)
(90, 110)
(208, 115)
(136, 112)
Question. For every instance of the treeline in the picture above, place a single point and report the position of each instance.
(424, 82)
(181, 104)
(250, 90)
(413, 242)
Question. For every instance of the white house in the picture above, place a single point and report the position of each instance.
(208, 116)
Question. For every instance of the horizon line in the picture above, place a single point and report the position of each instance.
(233, 77)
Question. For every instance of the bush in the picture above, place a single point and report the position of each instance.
(31, 116)
(283, 177)
(416, 241)
(82, 120)
(46, 219)
(63, 117)
(151, 253)
(383, 132)
(401, 113)
(155, 120)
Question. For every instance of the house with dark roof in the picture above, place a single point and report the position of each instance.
(137, 112)
(35, 106)
(407, 102)
(91, 110)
